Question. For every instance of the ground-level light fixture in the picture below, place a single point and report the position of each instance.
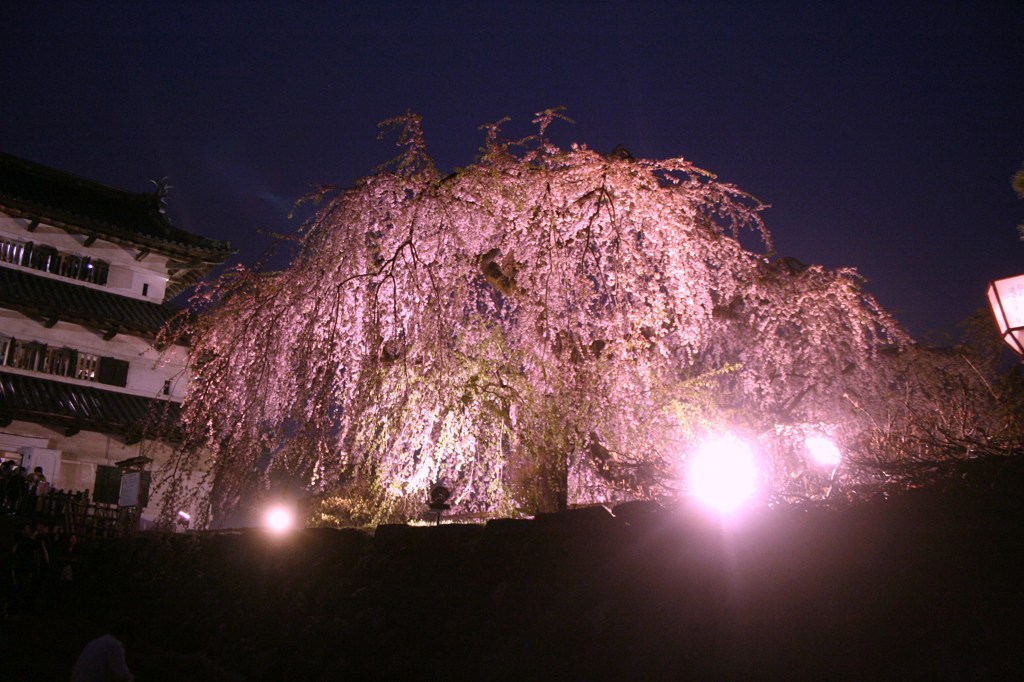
(723, 473)
(1006, 298)
(438, 504)
(279, 519)
(184, 520)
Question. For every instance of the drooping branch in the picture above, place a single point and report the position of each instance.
(484, 328)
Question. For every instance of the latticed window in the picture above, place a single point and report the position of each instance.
(94, 271)
(42, 257)
(69, 265)
(62, 361)
(48, 259)
(6, 349)
(29, 355)
(87, 367)
(12, 251)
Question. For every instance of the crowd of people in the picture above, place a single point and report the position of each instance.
(38, 567)
(39, 572)
(21, 492)
(37, 564)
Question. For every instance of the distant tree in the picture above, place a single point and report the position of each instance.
(542, 327)
(947, 406)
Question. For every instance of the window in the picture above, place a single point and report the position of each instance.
(113, 372)
(167, 387)
(95, 271)
(12, 251)
(48, 259)
(70, 265)
(145, 289)
(6, 350)
(30, 355)
(88, 366)
(42, 257)
(62, 361)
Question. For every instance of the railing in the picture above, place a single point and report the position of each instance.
(84, 518)
(59, 361)
(48, 259)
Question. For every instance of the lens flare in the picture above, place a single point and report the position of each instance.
(723, 474)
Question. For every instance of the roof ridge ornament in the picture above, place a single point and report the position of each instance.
(160, 190)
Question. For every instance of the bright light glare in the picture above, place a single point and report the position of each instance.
(279, 519)
(823, 450)
(723, 474)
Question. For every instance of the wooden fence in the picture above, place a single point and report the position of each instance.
(85, 518)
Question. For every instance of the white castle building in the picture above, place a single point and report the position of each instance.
(86, 273)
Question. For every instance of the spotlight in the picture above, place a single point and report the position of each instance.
(279, 520)
(438, 504)
(723, 474)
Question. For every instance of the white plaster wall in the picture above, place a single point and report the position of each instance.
(82, 453)
(127, 275)
(148, 368)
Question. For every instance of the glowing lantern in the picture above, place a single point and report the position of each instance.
(723, 474)
(1006, 298)
(279, 520)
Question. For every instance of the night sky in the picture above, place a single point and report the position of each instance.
(883, 135)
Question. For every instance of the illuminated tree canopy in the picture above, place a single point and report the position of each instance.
(542, 327)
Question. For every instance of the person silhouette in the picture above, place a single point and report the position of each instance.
(103, 659)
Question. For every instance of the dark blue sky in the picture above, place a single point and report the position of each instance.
(884, 135)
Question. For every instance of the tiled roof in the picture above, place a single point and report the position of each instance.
(35, 191)
(83, 407)
(52, 299)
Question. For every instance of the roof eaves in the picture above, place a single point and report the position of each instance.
(55, 402)
(213, 252)
(106, 312)
(36, 190)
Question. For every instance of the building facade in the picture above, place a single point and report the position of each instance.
(86, 273)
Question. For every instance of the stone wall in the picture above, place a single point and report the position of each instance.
(924, 586)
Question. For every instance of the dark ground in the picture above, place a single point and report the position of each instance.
(927, 585)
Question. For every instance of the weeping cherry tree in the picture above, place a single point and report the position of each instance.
(543, 327)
